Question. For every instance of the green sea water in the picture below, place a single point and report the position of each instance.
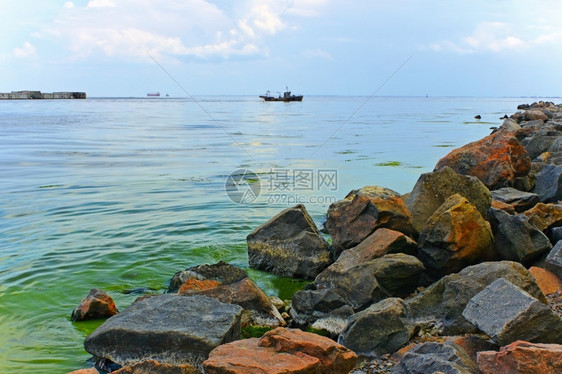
(119, 194)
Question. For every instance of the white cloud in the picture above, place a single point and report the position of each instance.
(317, 53)
(498, 37)
(175, 28)
(26, 51)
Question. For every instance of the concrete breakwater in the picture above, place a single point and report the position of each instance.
(27, 95)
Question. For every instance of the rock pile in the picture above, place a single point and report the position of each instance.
(405, 275)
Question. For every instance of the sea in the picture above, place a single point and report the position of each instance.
(121, 193)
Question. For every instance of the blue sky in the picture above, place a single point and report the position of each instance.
(214, 47)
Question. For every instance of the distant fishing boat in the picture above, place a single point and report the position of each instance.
(153, 94)
(286, 96)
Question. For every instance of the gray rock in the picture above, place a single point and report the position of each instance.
(520, 200)
(549, 184)
(554, 260)
(309, 306)
(381, 328)
(290, 245)
(168, 328)
(556, 235)
(540, 142)
(434, 357)
(506, 313)
(360, 286)
(432, 189)
(443, 302)
(221, 272)
(510, 125)
(515, 239)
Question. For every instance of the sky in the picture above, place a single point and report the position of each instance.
(315, 47)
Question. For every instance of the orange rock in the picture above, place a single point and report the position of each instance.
(544, 216)
(496, 160)
(85, 371)
(508, 208)
(522, 357)
(193, 285)
(246, 357)
(287, 351)
(335, 358)
(155, 367)
(548, 282)
(96, 305)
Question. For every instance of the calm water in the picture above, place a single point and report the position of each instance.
(120, 194)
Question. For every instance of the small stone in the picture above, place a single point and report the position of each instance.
(547, 281)
(96, 305)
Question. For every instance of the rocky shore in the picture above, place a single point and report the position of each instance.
(461, 275)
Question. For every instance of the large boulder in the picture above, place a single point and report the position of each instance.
(433, 357)
(350, 221)
(506, 313)
(521, 201)
(371, 281)
(455, 236)
(549, 184)
(522, 357)
(515, 238)
(540, 141)
(246, 294)
(553, 261)
(497, 160)
(432, 189)
(96, 305)
(381, 328)
(168, 328)
(281, 351)
(442, 303)
(290, 245)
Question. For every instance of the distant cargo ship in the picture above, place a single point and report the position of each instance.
(153, 94)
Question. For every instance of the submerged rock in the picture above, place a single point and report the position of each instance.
(290, 245)
(454, 237)
(168, 328)
(497, 160)
(432, 189)
(506, 313)
(96, 305)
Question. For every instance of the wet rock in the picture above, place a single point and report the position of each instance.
(434, 357)
(522, 357)
(391, 275)
(549, 184)
(96, 305)
(545, 216)
(246, 294)
(381, 328)
(553, 261)
(521, 201)
(506, 313)
(349, 222)
(221, 272)
(155, 367)
(442, 303)
(168, 328)
(454, 237)
(547, 281)
(432, 189)
(497, 160)
(515, 238)
(290, 245)
(282, 351)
